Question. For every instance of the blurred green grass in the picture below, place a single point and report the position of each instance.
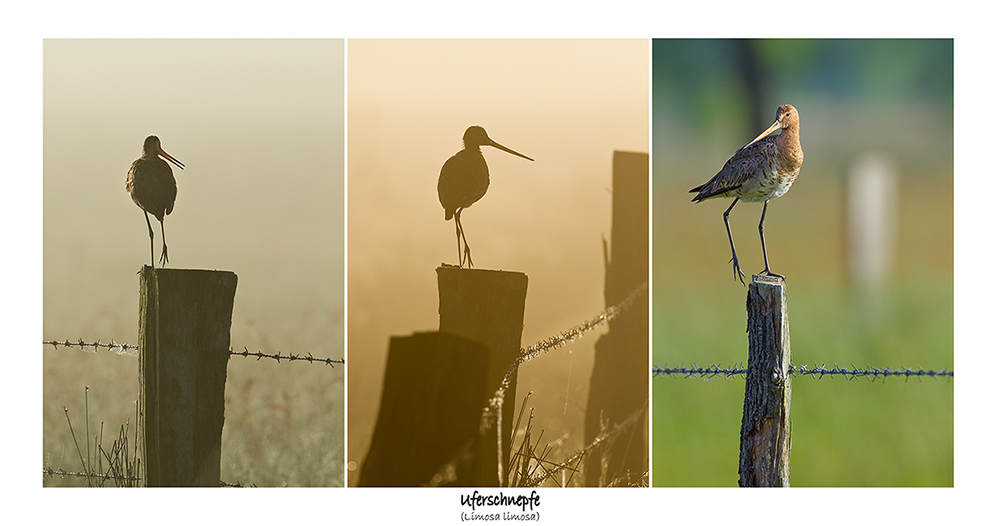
(845, 433)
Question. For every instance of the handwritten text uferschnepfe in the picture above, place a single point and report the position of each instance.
(527, 505)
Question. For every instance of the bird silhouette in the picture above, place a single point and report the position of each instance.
(464, 180)
(151, 185)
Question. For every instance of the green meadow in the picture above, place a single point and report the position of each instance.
(886, 432)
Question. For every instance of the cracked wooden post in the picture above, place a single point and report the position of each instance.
(184, 321)
(766, 414)
(487, 307)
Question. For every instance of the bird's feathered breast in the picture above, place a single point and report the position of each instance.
(464, 180)
(152, 186)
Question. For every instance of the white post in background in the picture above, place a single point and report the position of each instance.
(872, 194)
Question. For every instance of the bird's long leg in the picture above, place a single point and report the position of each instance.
(461, 229)
(736, 271)
(457, 235)
(468, 251)
(152, 258)
(163, 257)
(766, 263)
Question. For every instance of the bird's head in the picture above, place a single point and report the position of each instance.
(151, 147)
(787, 117)
(475, 136)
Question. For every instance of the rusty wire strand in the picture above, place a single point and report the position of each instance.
(816, 371)
(133, 350)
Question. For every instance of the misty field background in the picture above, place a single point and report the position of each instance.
(259, 126)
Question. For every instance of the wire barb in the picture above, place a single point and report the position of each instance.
(133, 350)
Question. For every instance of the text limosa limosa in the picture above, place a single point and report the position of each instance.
(464, 180)
(151, 184)
(762, 170)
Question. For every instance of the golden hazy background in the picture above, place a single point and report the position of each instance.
(568, 104)
(259, 126)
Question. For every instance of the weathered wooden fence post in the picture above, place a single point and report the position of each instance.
(428, 420)
(184, 321)
(766, 414)
(487, 307)
(619, 385)
(436, 385)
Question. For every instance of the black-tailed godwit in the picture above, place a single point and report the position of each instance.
(762, 170)
(151, 184)
(464, 180)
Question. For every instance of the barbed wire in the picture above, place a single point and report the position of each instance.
(117, 348)
(816, 371)
(554, 342)
(694, 370)
(101, 476)
(133, 350)
(289, 357)
(563, 338)
(237, 484)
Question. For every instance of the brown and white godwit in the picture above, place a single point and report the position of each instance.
(464, 180)
(151, 184)
(762, 170)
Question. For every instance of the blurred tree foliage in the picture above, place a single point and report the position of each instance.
(739, 80)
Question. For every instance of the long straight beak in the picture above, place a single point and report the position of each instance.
(495, 144)
(170, 158)
(770, 130)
